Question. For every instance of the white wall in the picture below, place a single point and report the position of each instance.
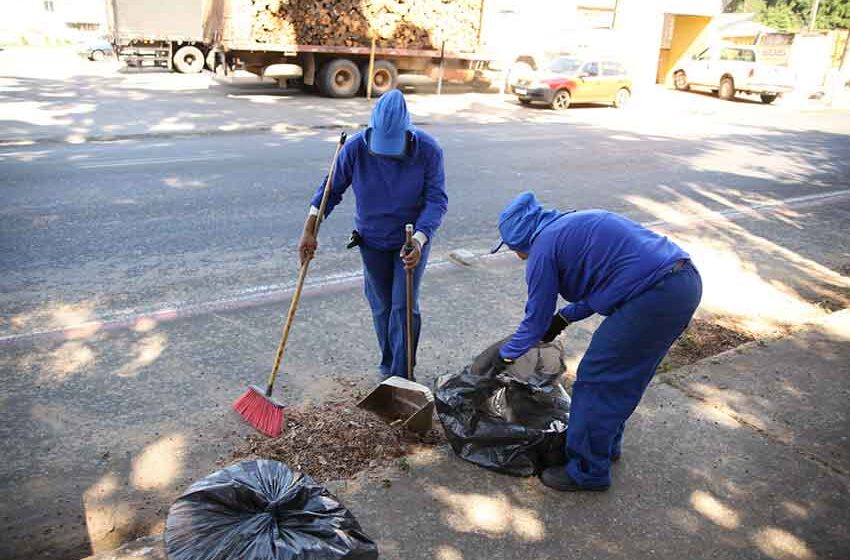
(29, 18)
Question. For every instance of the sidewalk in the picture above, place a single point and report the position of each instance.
(744, 455)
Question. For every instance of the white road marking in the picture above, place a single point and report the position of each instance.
(156, 161)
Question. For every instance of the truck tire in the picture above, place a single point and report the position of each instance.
(385, 77)
(210, 59)
(727, 88)
(339, 78)
(680, 80)
(188, 60)
(768, 98)
(97, 55)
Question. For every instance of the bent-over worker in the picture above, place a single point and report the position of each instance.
(396, 172)
(603, 263)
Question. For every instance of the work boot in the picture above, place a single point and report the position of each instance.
(559, 479)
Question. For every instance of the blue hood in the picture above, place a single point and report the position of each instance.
(388, 125)
(522, 220)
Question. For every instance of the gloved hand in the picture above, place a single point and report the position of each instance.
(556, 325)
(499, 363)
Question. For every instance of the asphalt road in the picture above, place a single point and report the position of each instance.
(103, 231)
(142, 281)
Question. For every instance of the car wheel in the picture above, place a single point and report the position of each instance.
(97, 55)
(768, 98)
(524, 101)
(727, 88)
(189, 60)
(622, 98)
(561, 101)
(680, 81)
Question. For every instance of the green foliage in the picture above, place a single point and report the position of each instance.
(793, 15)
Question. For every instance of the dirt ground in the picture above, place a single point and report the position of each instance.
(702, 339)
(336, 440)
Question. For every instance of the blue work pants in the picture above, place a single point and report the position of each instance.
(619, 363)
(385, 286)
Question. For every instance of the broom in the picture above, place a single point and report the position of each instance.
(257, 406)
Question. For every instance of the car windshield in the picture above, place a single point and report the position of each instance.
(564, 65)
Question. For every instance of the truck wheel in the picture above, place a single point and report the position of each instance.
(209, 60)
(680, 81)
(189, 60)
(97, 55)
(768, 98)
(561, 101)
(339, 78)
(385, 77)
(727, 88)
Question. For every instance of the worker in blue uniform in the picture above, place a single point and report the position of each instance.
(397, 175)
(604, 263)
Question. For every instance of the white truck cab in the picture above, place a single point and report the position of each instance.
(728, 69)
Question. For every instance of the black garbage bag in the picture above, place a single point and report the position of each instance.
(514, 422)
(263, 510)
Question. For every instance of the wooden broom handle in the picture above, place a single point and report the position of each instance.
(293, 305)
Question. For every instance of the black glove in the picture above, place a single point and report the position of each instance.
(557, 325)
(499, 363)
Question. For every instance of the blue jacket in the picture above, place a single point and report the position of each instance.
(595, 259)
(390, 192)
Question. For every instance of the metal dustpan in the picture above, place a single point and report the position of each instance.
(399, 400)
(404, 400)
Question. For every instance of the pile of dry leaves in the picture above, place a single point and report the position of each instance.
(703, 339)
(335, 440)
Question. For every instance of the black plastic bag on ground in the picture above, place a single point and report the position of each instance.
(514, 422)
(263, 510)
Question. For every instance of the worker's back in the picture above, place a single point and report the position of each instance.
(604, 259)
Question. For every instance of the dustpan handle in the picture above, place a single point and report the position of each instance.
(408, 246)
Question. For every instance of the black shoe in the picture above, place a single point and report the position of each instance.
(559, 479)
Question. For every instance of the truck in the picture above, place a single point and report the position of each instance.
(146, 35)
(327, 46)
(728, 69)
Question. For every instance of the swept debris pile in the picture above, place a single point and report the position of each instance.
(336, 440)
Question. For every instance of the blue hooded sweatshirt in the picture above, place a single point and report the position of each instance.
(595, 259)
(390, 191)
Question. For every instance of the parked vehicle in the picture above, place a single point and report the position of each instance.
(730, 69)
(97, 49)
(338, 67)
(568, 80)
(144, 34)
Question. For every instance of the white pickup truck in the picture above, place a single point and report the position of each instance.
(731, 69)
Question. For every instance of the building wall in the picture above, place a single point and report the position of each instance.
(688, 32)
(49, 21)
(640, 25)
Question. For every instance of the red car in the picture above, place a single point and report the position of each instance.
(569, 80)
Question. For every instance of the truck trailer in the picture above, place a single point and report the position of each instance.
(326, 45)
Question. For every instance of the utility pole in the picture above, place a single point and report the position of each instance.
(813, 17)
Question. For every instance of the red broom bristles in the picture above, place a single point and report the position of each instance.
(260, 411)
